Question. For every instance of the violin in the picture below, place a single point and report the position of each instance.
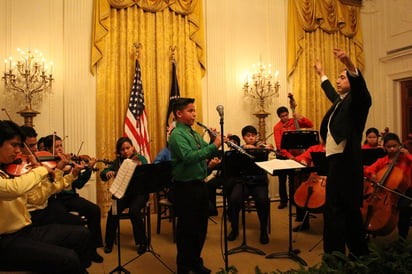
(21, 165)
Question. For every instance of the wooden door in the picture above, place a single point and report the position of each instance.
(406, 104)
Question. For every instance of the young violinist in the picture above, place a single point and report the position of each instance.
(69, 200)
(286, 123)
(134, 201)
(51, 248)
(38, 200)
(393, 146)
(255, 185)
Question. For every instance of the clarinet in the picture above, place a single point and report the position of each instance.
(229, 143)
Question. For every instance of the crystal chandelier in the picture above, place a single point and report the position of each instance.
(28, 75)
(262, 84)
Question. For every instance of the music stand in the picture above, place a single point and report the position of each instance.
(295, 139)
(149, 178)
(237, 166)
(370, 155)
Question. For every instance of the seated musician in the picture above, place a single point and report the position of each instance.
(392, 145)
(68, 200)
(215, 180)
(252, 184)
(23, 247)
(134, 201)
(371, 138)
(306, 159)
(37, 200)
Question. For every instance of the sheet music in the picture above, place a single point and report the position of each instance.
(276, 164)
(123, 177)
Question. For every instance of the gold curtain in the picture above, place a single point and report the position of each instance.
(315, 28)
(157, 25)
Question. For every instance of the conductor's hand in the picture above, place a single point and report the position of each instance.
(344, 58)
(318, 68)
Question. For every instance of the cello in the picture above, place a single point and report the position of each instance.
(379, 210)
(311, 194)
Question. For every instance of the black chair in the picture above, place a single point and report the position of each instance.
(165, 210)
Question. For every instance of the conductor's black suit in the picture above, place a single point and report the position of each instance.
(346, 118)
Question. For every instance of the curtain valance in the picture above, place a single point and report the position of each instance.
(190, 8)
(330, 16)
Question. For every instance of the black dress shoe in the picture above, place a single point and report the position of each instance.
(282, 205)
(200, 268)
(108, 249)
(96, 257)
(141, 248)
(264, 238)
(301, 227)
(233, 235)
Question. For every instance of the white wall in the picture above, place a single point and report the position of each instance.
(238, 34)
(387, 28)
(61, 30)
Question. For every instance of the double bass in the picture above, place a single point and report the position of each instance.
(379, 211)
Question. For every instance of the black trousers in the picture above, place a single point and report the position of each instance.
(191, 205)
(239, 194)
(135, 203)
(343, 223)
(60, 207)
(46, 249)
(283, 188)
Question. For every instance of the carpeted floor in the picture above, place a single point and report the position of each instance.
(162, 257)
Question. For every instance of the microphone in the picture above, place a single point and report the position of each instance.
(219, 109)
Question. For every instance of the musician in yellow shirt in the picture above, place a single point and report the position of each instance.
(24, 247)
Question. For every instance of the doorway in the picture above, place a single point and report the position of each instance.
(406, 105)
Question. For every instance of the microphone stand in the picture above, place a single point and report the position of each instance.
(223, 163)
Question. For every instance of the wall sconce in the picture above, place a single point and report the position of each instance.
(30, 76)
(262, 85)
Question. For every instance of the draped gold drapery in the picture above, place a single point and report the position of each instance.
(157, 25)
(315, 28)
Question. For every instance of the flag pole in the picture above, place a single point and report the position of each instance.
(137, 46)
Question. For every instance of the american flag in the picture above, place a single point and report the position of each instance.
(135, 123)
(174, 93)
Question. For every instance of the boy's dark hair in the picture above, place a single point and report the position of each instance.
(28, 131)
(9, 130)
(249, 129)
(120, 142)
(234, 138)
(40, 141)
(391, 137)
(181, 103)
(281, 109)
(48, 141)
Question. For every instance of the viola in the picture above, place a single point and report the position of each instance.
(379, 211)
(311, 194)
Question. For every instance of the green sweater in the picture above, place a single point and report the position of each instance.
(189, 153)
